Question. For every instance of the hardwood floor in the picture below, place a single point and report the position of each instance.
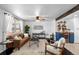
(73, 48)
(70, 49)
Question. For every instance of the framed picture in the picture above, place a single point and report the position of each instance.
(38, 27)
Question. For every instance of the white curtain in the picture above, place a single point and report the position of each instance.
(9, 23)
(12, 24)
(19, 25)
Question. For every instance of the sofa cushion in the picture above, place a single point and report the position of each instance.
(26, 35)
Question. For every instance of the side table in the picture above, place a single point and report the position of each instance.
(50, 41)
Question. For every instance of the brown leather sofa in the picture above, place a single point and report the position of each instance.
(19, 43)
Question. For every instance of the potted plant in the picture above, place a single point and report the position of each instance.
(27, 29)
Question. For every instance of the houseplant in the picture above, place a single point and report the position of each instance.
(27, 29)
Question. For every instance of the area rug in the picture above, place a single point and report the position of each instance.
(32, 50)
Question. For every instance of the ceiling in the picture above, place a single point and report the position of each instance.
(26, 11)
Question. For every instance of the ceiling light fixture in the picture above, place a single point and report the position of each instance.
(37, 19)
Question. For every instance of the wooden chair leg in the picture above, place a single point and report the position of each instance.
(37, 43)
(45, 48)
(45, 52)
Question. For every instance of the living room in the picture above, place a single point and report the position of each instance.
(37, 22)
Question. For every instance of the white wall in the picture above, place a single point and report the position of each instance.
(73, 24)
(76, 25)
(48, 26)
(69, 22)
